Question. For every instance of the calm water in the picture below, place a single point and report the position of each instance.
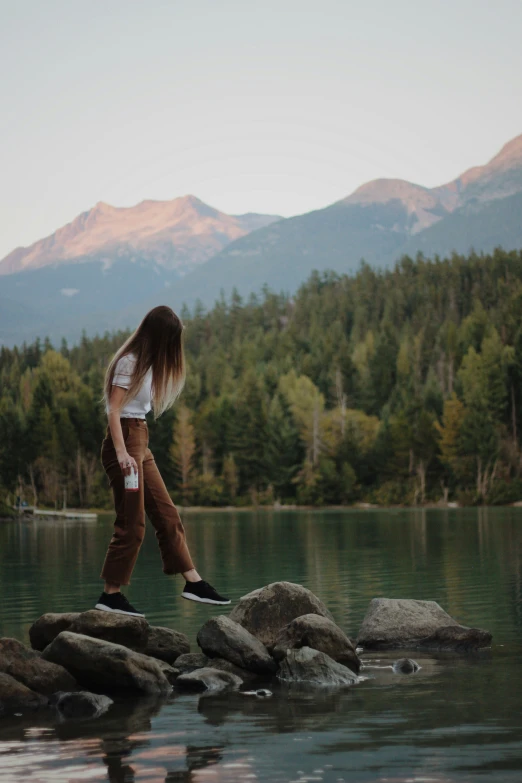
(459, 719)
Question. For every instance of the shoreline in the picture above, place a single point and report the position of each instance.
(355, 507)
(289, 508)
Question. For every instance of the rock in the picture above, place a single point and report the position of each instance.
(103, 665)
(191, 661)
(266, 611)
(227, 666)
(80, 704)
(319, 633)
(405, 666)
(17, 697)
(456, 638)
(208, 679)
(131, 632)
(47, 628)
(395, 622)
(169, 671)
(221, 637)
(165, 644)
(316, 668)
(28, 667)
(12, 648)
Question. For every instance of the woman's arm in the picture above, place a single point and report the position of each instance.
(127, 463)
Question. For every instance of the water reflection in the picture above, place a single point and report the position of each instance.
(456, 720)
(122, 740)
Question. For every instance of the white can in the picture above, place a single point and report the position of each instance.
(131, 481)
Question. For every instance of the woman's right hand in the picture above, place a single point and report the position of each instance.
(127, 463)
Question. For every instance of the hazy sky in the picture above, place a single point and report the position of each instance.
(278, 106)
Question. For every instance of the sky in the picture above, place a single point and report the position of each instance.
(282, 106)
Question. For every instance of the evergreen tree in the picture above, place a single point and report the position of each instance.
(183, 449)
(284, 451)
(249, 435)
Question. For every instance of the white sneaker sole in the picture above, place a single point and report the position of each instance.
(192, 597)
(104, 608)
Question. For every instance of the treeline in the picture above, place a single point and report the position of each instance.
(394, 387)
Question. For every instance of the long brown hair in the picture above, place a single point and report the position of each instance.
(156, 344)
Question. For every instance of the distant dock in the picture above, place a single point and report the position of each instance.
(64, 514)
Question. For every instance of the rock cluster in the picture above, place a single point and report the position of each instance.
(319, 633)
(265, 612)
(32, 670)
(281, 630)
(108, 652)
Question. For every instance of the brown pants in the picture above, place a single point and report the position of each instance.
(152, 497)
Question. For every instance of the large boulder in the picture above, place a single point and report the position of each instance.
(165, 644)
(221, 637)
(319, 633)
(28, 667)
(48, 626)
(104, 665)
(16, 697)
(392, 623)
(81, 704)
(208, 679)
(266, 611)
(314, 668)
(131, 632)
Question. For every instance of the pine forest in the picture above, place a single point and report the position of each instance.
(396, 387)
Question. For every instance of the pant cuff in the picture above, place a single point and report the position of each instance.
(180, 569)
(115, 580)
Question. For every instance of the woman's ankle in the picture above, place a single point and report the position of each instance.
(109, 588)
(192, 576)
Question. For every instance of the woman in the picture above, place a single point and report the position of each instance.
(148, 371)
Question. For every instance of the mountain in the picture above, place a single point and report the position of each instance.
(89, 273)
(498, 179)
(178, 234)
(381, 221)
(180, 251)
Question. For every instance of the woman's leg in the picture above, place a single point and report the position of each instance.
(129, 526)
(164, 516)
(171, 536)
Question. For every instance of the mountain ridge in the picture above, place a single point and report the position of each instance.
(177, 234)
(380, 222)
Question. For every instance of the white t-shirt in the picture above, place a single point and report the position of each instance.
(141, 404)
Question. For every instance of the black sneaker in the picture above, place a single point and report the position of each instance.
(117, 603)
(204, 593)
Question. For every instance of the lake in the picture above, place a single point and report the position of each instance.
(458, 719)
